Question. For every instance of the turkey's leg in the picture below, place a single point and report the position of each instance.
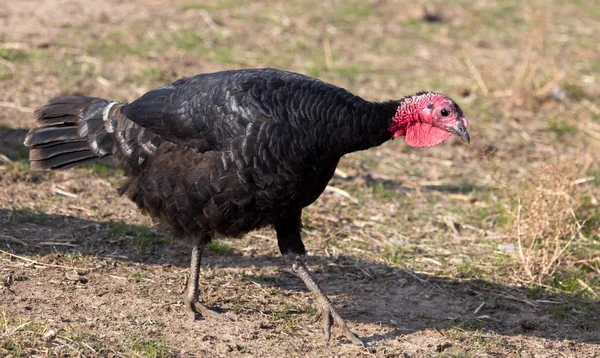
(326, 309)
(192, 293)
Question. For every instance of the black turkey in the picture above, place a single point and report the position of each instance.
(229, 152)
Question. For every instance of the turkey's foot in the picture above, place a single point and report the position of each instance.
(329, 315)
(199, 311)
(326, 310)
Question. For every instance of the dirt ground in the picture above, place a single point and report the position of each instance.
(412, 267)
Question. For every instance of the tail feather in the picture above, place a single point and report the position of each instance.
(91, 125)
(79, 129)
(65, 109)
(64, 160)
(51, 135)
(49, 151)
(72, 132)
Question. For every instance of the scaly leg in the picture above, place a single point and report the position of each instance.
(326, 309)
(192, 292)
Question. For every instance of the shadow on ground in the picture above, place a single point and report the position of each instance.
(11, 143)
(366, 291)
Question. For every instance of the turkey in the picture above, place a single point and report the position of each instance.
(232, 151)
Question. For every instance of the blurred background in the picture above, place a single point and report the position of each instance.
(457, 250)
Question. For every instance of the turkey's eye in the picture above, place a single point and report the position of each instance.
(445, 112)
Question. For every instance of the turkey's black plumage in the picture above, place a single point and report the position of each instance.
(225, 152)
(222, 153)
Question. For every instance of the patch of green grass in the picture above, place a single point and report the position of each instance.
(21, 154)
(116, 45)
(456, 334)
(491, 340)
(497, 305)
(87, 341)
(187, 40)
(8, 321)
(351, 12)
(7, 75)
(138, 276)
(285, 313)
(237, 303)
(219, 50)
(466, 270)
(502, 18)
(22, 166)
(192, 5)
(353, 70)
(399, 256)
(143, 236)
(568, 280)
(471, 324)
(16, 344)
(561, 127)
(491, 215)
(232, 55)
(574, 91)
(151, 76)
(533, 292)
(219, 248)
(101, 169)
(13, 346)
(119, 229)
(380, 191)
(559, 310)
(13, 55)
(147, 237)
(32, 215)
(590, 8)
(502, 259)
(153, 348)
(72, 256)
(348, 72)
(111, 49)
(413, 24)
(480, 213)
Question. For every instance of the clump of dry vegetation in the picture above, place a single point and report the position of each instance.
(548, 223)
(549, 201)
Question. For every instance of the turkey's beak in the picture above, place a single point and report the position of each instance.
(460, 130)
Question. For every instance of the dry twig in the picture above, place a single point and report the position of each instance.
(43, 264)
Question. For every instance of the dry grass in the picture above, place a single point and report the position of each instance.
(550, 198)
(547, 215)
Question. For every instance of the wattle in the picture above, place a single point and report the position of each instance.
(423, 135)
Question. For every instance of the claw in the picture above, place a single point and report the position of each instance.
(332, 317)
(196, 316)
(326, 311)
(194, 312)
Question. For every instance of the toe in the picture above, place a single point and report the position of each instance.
(196, 316)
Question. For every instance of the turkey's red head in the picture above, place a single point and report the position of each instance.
(427, 119)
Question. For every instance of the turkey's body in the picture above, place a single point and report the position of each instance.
(241, 150)
(228, 152)
(200, 194)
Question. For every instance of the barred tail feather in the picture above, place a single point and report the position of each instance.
(79, 129)
(73, 132)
